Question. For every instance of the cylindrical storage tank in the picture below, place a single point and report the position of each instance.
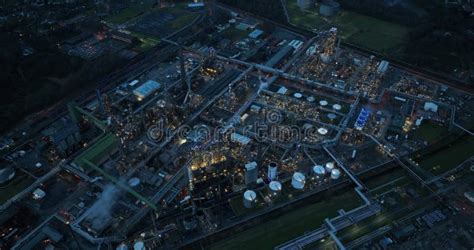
(122, 246)
(272, 171)
(335, 174)
(329, 167)
(323, 131)
(274, 188)
(139, 245)
(323, 103)
(337, 107)
(298, 180)
(332, 116)
(319, 170)
(133, 182)
(250, 198)
(310, 99)
(298, 95)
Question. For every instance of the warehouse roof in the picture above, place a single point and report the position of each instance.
(282, 53)
(146, 89)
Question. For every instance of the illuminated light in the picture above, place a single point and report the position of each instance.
(182, 141)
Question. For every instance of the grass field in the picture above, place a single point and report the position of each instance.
(289, 225)
(14, 187)
(183, 17)
(384, 178)
(132, 11)
(450, 157)
(234, 34)
(430, 132)
(182, 20)
(147, 42)
(361, 30)
(308, 19)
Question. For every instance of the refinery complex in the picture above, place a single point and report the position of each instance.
(267, 130)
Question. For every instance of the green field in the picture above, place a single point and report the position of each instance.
(183, 18)
(307, 19)
(360, 30)
(384, 178)
(234, 34)
(430, 132)
(289, 225)
(450, 157)
(134, 10)
(14, 187)
(147, 42)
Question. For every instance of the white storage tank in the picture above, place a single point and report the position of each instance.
(272, 171)
(298, 95)
(139, 245)
(274, 188)
(329, 167)
(133, 182)
(298, 180)
(319, 170)
(337, 107)
(335, 174)
(250, 198)
(323, 131)
(332, 116)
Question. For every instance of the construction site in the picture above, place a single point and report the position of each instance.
(267, 139)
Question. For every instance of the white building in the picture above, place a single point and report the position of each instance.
(38, 194)
(431, 106)
(146, 89)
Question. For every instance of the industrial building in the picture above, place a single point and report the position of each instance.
(282, 54)
(146, 89)
(431, 106)
(383, 66)
(6, 175)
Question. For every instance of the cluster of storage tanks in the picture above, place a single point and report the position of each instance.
(250, 196)
(298, 181)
